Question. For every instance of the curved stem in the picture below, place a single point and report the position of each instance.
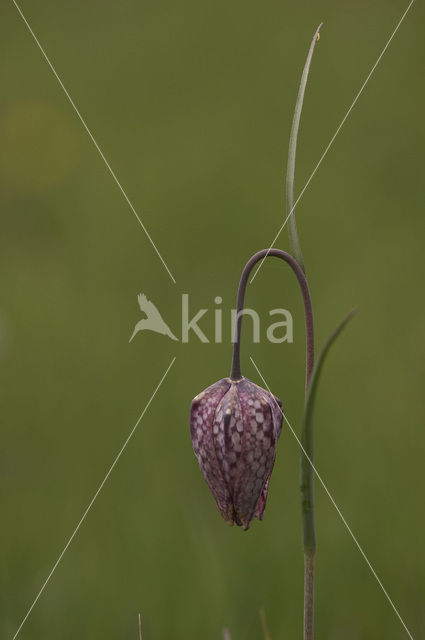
(235, 373)
(307, 484)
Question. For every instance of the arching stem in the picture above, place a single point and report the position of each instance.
(307, 478)
(308, 310)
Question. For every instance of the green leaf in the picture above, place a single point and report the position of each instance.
(307, 440)
(292, 151)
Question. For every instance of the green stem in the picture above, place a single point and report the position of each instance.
(307, 485)
(309, 595)
(292, 152)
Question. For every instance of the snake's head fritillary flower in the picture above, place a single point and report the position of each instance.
(235, 426)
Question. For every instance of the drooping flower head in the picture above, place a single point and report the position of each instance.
(235, 426)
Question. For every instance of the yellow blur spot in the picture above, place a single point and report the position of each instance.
(40, 146)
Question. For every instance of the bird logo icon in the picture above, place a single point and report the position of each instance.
(153, 320)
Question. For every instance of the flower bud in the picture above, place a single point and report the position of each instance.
(235, 426)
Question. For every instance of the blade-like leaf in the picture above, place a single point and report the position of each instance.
(292, 151)
(307, 438)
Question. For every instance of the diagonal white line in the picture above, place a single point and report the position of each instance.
(336, 507)
(333, 137)
(93, 499)
(102, 155)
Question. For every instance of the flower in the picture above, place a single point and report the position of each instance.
(235, 426)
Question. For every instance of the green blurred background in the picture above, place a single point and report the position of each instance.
(192, 104)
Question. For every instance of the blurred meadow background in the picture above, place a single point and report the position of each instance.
(192, 103)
